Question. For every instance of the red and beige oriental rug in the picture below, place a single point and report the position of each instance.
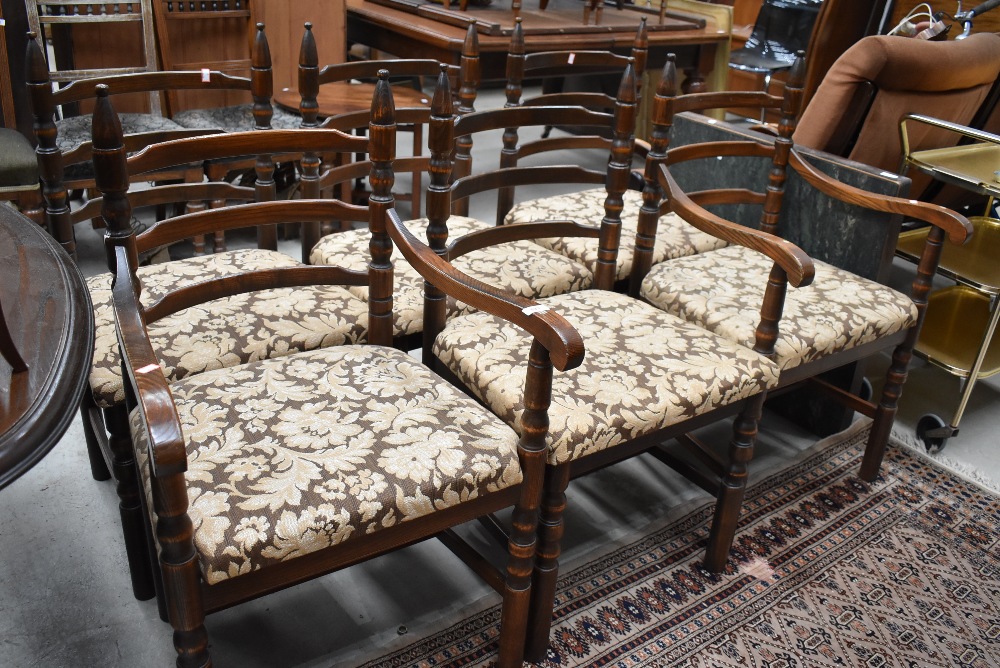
(828, 571)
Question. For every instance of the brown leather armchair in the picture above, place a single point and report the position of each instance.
(856, 110)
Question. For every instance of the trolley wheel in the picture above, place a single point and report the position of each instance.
(865, 392)
(930, 429)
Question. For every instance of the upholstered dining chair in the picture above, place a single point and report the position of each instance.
(271, 323)
(500, 255)
(673, 237)
(837, 319)
(639, 381)
(332, 96)
(521, 66)
(266, 473)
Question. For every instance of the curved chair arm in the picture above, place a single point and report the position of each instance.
(957, 226)
(561, 339)
(166, 440)
(793, 260)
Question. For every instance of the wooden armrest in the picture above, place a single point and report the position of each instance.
(957, 226)
(166, 440)
(793, 260)
(561, 339)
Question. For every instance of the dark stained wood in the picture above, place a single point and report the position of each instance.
(795, 268)
(340, 95)
(409, 36)
(562, 18)
(46, 337)
(212, 35)
(188, 598)
(80, 34)
(537, 398)
(521, 66)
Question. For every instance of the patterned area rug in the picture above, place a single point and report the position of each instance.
(828, 571)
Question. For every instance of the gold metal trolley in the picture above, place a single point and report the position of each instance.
(958, 334)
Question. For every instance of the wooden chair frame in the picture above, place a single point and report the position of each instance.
(787, 271)
(440, 200)
(188, 598)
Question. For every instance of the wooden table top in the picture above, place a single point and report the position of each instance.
(344, 98)
(406, 26)
(48, 313)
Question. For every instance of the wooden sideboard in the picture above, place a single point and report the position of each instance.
(212, 45)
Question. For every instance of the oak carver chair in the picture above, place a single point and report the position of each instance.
(337, 428)
(835, 319)
(480, 247)
(585, 206)
(63, 146)
(272, 322)
(646, 376)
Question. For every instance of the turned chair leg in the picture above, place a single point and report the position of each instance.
(181, 574)
(543, 584)
(95, 436)
(733, 486)
(885, 414)
(129, 505)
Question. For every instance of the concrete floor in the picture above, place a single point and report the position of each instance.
(65, 598)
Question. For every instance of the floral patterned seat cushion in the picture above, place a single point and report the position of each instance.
(76, 130)
(521, 267)
(292, 455)
(723, 292)
(209, 336)
(674, 237)
(643, 370)
(236, 118)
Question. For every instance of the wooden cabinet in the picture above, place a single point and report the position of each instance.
(222, 44)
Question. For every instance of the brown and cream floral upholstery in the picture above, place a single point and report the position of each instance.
(291, 455)
(76, 130)
(236, 118)
(225, 332)
(521, 267)
(722, 291)
(674, 237)
(643, 370)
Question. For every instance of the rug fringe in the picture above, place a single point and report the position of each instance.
(907, 440)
